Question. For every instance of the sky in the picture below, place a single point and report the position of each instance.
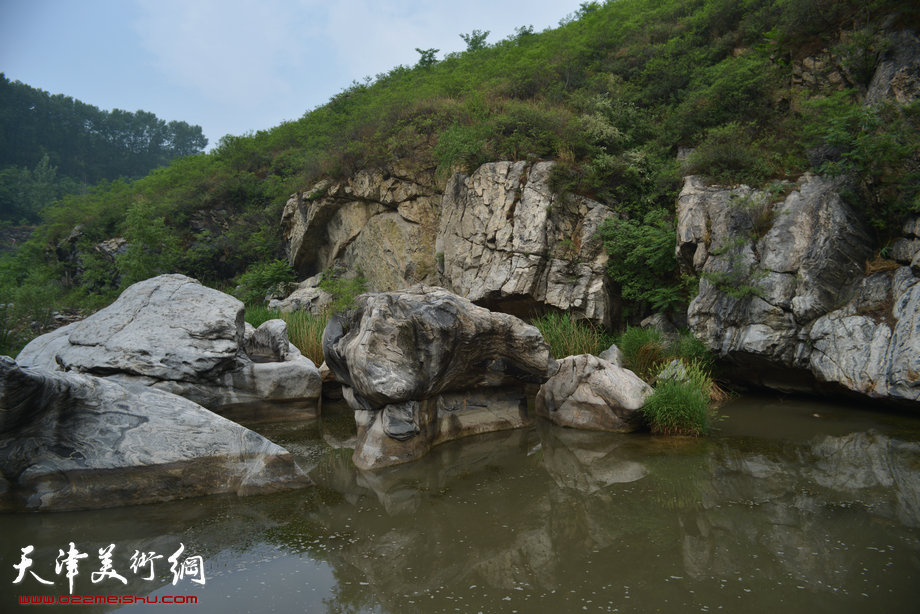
(237, 66)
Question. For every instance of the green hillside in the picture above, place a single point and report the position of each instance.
(612, 95)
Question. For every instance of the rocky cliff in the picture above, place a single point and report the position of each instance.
(786, 295)
(498, 236)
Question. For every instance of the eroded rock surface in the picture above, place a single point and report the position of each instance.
(75, 441)
(380, 222)
(424, 365)
(783, 294)
(588, 392)
(506, 238)
(177, 335)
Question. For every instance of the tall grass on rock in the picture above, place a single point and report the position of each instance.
(305, 330)
(568, 336)
(680, 405)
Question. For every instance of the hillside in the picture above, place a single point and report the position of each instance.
(51, 145)
(625, 98)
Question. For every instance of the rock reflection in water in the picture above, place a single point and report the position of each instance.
(550, 519)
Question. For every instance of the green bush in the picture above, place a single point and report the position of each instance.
(729, 154)
(646, 350)
(680, 406)
(568, 336)
(642, 260)
(344, 291)
(261, 278)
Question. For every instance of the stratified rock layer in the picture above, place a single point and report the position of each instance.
(423, 366)
(75, 441)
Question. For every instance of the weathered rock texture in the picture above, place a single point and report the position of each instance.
(73, 441)
(783, 291)
(506, 240)
(499, 237)
(897, 76)
(382, 223)
(172, 333)
(590, 393)
(423, 366)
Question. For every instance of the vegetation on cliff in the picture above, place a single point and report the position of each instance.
(613, 95)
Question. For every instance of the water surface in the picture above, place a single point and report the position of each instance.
(791, 506)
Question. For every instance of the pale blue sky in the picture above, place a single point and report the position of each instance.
(234, 66)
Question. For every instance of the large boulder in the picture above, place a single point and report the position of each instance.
(784, 296)
(74, 441)
(508, 242)
(175, 334)
(424, 365)
(590, 393)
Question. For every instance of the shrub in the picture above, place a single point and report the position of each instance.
(568, 336)
(680, 406)
(646, 350)
(642, 259)
(343, 290)
(262, 277)
(729, 155)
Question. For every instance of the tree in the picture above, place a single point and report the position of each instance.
(428, 57)
(475, 40)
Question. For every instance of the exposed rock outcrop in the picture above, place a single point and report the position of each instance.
(499, 237)
(506, 239)
(783, 294)
(423, 366)
(590, 393)
(74, 441)
(172, 333)
(382, 223)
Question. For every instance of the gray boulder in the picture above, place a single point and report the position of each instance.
(613, 355)
(424, 365)
(508, 242)
(172, 333)
(590, 393)
(75, 441)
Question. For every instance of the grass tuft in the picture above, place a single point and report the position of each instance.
(568, 336)
(305, 330)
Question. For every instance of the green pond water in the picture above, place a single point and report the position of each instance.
(792, 506)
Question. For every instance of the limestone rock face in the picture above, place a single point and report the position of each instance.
(424, 365)
(783, 292)
(506, 238)
(382, 223)
(897, 76)
(590, 393)
(172, 333)
(73, 441)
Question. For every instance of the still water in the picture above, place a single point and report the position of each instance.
(790, 507)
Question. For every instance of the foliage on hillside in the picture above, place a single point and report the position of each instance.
(53, 145)
(612, 94)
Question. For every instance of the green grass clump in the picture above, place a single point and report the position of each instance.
(568, 336)
(646, 350)
(305, 330)
(680, 406)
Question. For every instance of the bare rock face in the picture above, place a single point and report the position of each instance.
(783, 294)
(506, 238)
(76, 441)
(897, 76)
(382, 223)
(590, 393)
(172, 333)
(424, 365)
